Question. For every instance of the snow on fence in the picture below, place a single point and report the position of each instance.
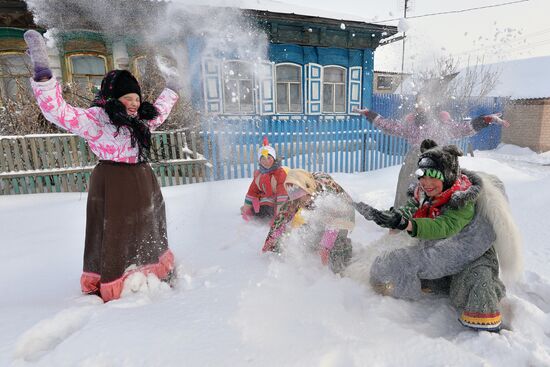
(63, 162)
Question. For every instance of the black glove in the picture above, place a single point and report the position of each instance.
(390, 219)
(387, 219)
(364, 209)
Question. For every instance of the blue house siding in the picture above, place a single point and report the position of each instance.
(368, 76)
(289, 53)
(195, 46)
(279, 53)
(357, 80)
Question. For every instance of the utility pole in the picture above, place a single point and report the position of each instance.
(403, 50)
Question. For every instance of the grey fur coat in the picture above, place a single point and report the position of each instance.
(401, 269)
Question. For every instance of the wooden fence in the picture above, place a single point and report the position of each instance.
(63, 162)
(348, 145)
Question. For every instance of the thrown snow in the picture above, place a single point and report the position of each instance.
(234, 306)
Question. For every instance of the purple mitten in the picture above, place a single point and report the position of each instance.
(38, 54)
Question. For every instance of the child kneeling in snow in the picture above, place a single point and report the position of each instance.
(461, 220)
(322, 210)
(266, 193)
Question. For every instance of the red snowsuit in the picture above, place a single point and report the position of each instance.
(267, 189)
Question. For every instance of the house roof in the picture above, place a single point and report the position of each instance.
(524, 79)
(276, 6)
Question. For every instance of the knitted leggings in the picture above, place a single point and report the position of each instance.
(477, 288)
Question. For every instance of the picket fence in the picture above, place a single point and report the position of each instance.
(227, 148)
(63, 162)
(347, 146)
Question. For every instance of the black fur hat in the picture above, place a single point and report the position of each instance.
(440, 158)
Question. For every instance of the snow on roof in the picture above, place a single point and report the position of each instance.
(518, 79)
(275, 6)
(523, 79)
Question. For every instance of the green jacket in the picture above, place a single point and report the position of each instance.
(447, 224)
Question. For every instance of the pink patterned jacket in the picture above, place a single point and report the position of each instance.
(93, 124)
(441, 128)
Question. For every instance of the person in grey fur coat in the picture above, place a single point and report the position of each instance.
(451, 214)
(426, 123)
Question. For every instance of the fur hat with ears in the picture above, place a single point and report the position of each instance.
(439, 158)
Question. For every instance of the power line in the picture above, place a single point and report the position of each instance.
(512, 45)
(452, 11)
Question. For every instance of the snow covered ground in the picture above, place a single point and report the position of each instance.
(234, 306)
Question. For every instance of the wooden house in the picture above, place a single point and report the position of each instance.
(314, 66)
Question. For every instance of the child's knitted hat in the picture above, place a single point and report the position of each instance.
(266, 150)
(440, 162)
(118, 83)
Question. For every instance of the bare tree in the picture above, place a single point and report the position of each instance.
(183, 115)
(20, 115)
(446, 83)
(17, 115)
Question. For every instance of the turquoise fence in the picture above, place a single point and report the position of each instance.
(226, 149)
(349, 145)
(396, 106)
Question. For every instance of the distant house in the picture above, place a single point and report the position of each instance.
(388, 81)
(525, 82)
(317, 65)
(530, 123)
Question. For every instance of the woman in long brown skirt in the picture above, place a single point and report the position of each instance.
(126, 220)
(125, 228)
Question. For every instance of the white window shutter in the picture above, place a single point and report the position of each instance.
(314, 89)
(354, 85)
(212, 85)
(266, 88)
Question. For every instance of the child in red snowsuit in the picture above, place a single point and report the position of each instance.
(267, 191)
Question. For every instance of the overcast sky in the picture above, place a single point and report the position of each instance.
(508, 32)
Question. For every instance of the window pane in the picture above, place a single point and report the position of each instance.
(141, 66)
(327, 97)
(13, 65)
(232, 68)
(246, 95)
(231, 95)
(385, 82)
(88, 65)
(238, 87)
(288, 73)
(96, 82)
(81, 82)
(10, 88)
(295, 98)
(282, 97)
(334, 75)
(238, 70)
(339, 98)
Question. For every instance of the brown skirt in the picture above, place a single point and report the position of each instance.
(125, 228)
